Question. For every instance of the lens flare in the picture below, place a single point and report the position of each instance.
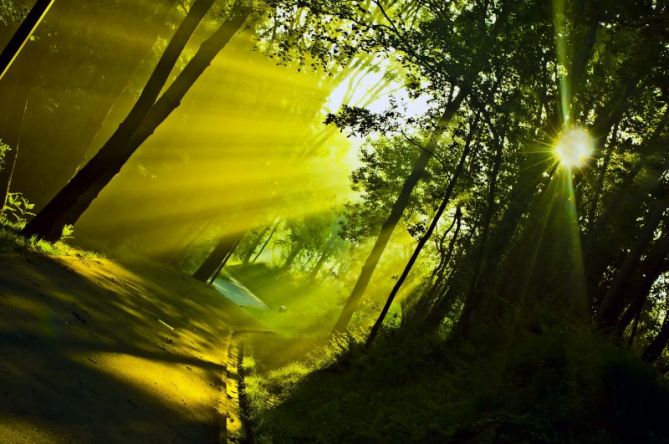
(574, 148)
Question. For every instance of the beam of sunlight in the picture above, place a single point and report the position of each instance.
(247, 144)
(562, 59)
(577, 277)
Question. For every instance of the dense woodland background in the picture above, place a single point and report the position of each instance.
(376, 169)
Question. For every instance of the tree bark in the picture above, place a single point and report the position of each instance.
(611, 305)
(264, 245)
(325, 254)
(473, 295)
(292, 256)
(657, 345)
(217, 258)
(395, 215)
(444, 255)
(252, 248)
(68, 205)
(640, 286)
(22, 35)
(426, 236)
(433, 310)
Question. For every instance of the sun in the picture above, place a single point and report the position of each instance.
(574, 147)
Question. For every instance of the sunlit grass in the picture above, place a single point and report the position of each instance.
(12, 242)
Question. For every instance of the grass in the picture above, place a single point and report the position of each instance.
(558, 386)
(13, 243)
(298, 310)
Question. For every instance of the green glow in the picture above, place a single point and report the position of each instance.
(562, 58)
(577, 271)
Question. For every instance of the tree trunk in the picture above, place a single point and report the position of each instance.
(321, 261)
(439, 272)
(599, 183)
(252, 248)
(68, 205)
(291, 257)
(426, 236)
(611, 306)
(22, 35)
(657, 345)
(395, 215)
(218, 257)
(264, 245)
(640, 286)
(472, 299)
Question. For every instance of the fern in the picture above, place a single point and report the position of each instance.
(18, 209)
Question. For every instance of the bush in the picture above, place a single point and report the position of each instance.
(556, 386)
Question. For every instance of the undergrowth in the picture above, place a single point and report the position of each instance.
(12, 242)
(556, 386)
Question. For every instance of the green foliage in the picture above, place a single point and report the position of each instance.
(309, 242)
(9, 12)
(68, 232)
(13, 243)
(4, 149)
(547, 388)
(18, 209)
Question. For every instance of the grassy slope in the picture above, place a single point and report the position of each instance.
(551, 387)
(94, 351)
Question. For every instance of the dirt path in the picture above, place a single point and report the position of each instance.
(96, 352)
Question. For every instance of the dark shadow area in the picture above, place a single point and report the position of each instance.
(68, 328)
(545, 388)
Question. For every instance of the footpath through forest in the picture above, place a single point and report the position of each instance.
(94, 351)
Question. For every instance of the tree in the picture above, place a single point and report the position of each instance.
(210, 268)
(448, 194)
(470, 62)
(147, 114)
(22, 35)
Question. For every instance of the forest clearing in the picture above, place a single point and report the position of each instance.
(334, 221)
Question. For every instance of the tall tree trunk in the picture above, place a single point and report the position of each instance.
(611, 305)
(264, 245)
(618, 197)
(472, 298)
(68, 205)
(443, 252)
(426, 305)
(217, 258)
(639, 287)
(657, 345)
(292, 256)
(325, 254)
(440, 271)
(599, 183)
(247, 256)
(395, 215)
(426, 236)
(22, 35)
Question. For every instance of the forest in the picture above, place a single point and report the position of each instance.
(334, 221)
